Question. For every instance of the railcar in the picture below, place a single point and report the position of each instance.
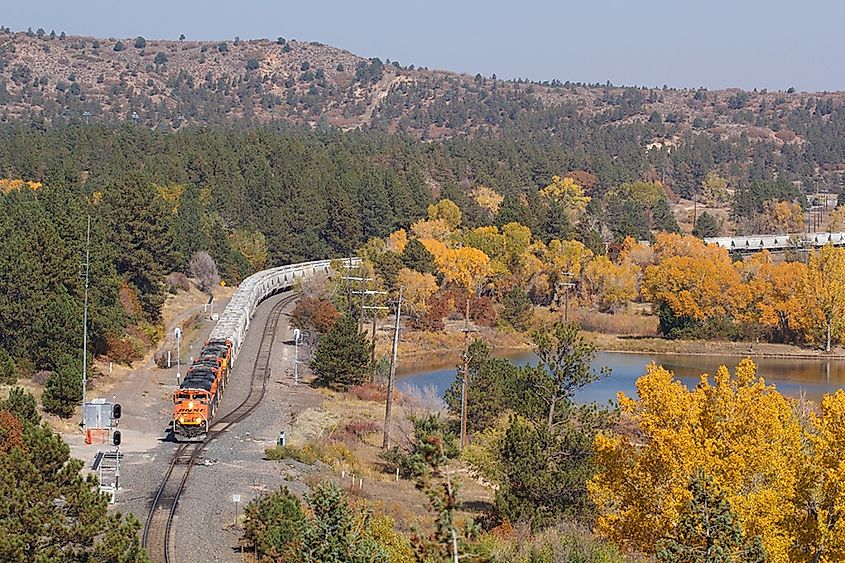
(196, 401)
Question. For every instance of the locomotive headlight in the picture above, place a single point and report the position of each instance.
(190, 404)
(181, 420)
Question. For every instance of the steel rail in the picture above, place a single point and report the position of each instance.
(157, 532)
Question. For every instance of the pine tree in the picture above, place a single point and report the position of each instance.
(22, 405)
(337, 533)
(417, 257)
(51, 512)
(709, 531)
(706, 226)
(342, 359)
(64, 389)
(516, 308)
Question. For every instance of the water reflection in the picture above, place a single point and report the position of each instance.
(791, 376)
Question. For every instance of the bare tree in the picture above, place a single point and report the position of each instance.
(204, 270)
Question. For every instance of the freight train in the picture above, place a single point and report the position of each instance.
(196, 401)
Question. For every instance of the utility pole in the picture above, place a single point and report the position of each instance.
(392, 374)
(361, 280)
(374, 308)
(566, 287)
(85, 325)
(465, 357)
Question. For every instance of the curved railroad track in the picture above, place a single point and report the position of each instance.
(157, 534)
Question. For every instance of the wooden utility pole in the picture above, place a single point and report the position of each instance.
(465, 357)
(388, 408)
(464, 378)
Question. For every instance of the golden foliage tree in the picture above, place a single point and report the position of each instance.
(397, 241)
(737, 429)
(565, 192)
(823, 295)
(253, 246)
(822, 520)
(694, 281)
(775, 294)
(445, 210)
(488, 198)
(417, 288)
(433, 229)
(465, 267)
(610, 284)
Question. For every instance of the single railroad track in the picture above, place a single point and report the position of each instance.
(157, 535)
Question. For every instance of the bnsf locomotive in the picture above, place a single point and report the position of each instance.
(196, 401)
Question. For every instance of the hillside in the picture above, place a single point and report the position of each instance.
(173, 83)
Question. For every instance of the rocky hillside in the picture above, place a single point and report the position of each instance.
(173, 83)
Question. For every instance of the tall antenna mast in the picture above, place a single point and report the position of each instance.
(85, 326)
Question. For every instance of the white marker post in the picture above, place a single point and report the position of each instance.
(236, 499)
(178, 333)
(297, 336)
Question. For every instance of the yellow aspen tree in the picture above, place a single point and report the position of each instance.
(609, 284)
(466, 268)
(822, 517)
(488, 198)
(397, 241)
(436, 229)
(823, 295)
(736, 429)
(253, 246)
(566, 192)
(445, 210)
(417, 288)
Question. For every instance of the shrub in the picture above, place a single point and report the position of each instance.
(357, 430)
(314, 314)
(119, 46)
(140, 42)
(565, 542)
(369, 392)
(252, 64)
(331, 453)
(121, 350)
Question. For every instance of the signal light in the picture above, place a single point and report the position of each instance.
(115, 438)
(115, 411)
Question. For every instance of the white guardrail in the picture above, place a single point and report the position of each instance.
(234, 321)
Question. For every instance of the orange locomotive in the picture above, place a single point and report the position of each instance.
(196, 401)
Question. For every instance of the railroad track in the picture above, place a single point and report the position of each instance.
(157, 536)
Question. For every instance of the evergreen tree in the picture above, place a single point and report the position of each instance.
(22, 405)
(140, 225)
(706, 226)
(516, 308)
(51, 512)
(417, 257)
(274, 525)
(337, 533)
(8, 369)
(64, 389)
(709, 531)
(342, 359)
(543, 474)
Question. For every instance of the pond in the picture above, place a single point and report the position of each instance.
(814, 377)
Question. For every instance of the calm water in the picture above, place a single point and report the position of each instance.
(791, 376)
